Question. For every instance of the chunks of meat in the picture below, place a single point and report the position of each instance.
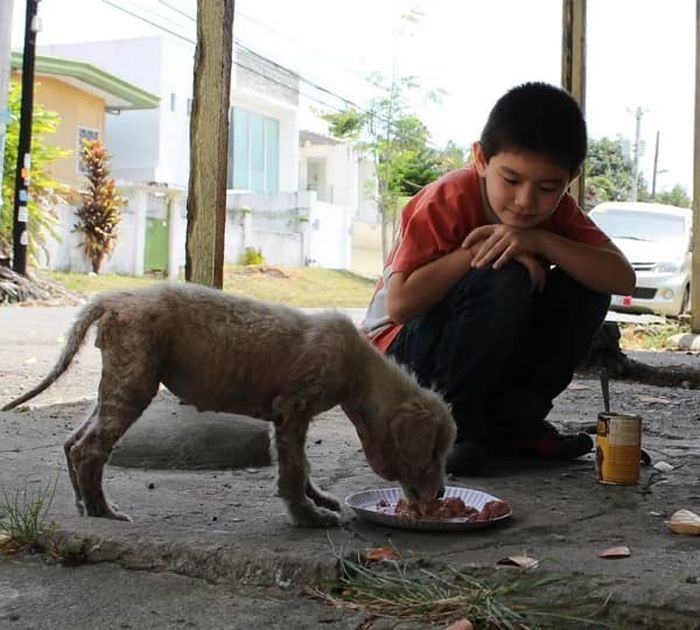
(445, 509)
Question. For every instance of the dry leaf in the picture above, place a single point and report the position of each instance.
(615, 552)
(379, 554)
(663, 466)
(524, 562)
(575, 386)
(654, 399)
(684, 522)
(462, 624)
(4, 537)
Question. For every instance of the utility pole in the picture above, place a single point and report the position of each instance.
(573, 69)
(20, 236)
(695, 282)
(5, 38)
(206, 194)
(656, 167)
(637, 150)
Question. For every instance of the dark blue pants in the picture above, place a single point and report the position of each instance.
(500, 354)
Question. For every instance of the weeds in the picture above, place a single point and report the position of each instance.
(23, 518)
(508, 600)
(651, 336)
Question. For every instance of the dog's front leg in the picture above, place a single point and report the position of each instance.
(320, 498)
(290, 438)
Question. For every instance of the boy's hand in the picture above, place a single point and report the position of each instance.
(497, 244)
(538, 274)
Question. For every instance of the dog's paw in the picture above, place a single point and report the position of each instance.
(308, 515)
(325, 500)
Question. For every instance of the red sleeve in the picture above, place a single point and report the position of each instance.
(435, 221)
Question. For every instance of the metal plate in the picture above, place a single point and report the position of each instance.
(365, 505)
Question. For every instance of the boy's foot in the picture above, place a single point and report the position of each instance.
(465, 458)
(552, 445)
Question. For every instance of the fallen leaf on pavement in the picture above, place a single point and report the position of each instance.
(462, 624)
(654, 399)
(524, 562)
(575, 386)
(379, 554)
(684, 522)
(663, 466)
(615, 552)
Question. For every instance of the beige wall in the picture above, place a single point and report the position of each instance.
(76, 108)
(366, 249)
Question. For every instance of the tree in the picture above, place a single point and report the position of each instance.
(100, 212)
(397, 142)
(45, 192)
(608, 172)
(677, 196)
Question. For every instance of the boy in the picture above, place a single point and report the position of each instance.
(498, 281)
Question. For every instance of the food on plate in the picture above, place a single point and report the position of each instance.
(443, 509)
(492, 509)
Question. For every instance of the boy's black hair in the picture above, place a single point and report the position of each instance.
(539, 118)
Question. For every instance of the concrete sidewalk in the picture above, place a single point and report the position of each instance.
(227, 526)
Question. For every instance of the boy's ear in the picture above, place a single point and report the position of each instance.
(480, 160)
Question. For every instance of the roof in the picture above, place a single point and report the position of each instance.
(311, 138)
(117, 93)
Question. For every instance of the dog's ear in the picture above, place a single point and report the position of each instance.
(413, 431)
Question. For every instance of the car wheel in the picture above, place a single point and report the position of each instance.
(685, 302)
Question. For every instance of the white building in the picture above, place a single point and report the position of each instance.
(267, 208)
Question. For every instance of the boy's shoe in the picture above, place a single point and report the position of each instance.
(465, 458)
(552, 445)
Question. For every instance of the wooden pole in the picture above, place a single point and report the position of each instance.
(695, 282)
(573, 67)
(209, 122)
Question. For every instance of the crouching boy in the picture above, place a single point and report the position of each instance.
(498, 281)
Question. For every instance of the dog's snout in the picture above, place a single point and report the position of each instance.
(413, 494)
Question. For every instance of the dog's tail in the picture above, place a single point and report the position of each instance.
(76, 336)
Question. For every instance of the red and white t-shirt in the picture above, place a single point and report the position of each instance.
(437, 220)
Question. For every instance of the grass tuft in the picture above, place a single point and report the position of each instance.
(510, 600)
(24, 518)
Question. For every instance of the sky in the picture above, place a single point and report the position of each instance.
(640, 55)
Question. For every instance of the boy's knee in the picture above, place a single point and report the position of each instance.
(506, 292)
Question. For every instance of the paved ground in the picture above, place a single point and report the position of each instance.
(213, 548)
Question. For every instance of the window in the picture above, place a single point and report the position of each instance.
(253, 152)
(84, 133)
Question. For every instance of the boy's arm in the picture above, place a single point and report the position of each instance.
(414, 294)
(601, 268)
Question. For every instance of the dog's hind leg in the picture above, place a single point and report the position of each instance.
(320, 498)
(290, 438)
(127, 387)
(75, 436)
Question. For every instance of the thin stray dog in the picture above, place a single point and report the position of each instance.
(221, 352)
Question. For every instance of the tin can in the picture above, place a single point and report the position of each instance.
(619, 448)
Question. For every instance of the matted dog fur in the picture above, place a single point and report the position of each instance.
(221, 352)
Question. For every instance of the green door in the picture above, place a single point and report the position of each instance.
(156, 255)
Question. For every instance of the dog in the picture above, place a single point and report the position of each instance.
(221, 352)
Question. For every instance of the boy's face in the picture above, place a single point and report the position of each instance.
(523, 189)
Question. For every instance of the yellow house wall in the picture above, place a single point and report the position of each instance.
(76, 108)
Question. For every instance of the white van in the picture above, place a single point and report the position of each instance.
(656, 239)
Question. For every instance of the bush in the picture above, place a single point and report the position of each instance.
(252, 256)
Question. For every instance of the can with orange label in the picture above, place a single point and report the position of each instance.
(619, 448)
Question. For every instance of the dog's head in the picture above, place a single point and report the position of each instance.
(410, 444)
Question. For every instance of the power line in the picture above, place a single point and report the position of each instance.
(242, 46)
